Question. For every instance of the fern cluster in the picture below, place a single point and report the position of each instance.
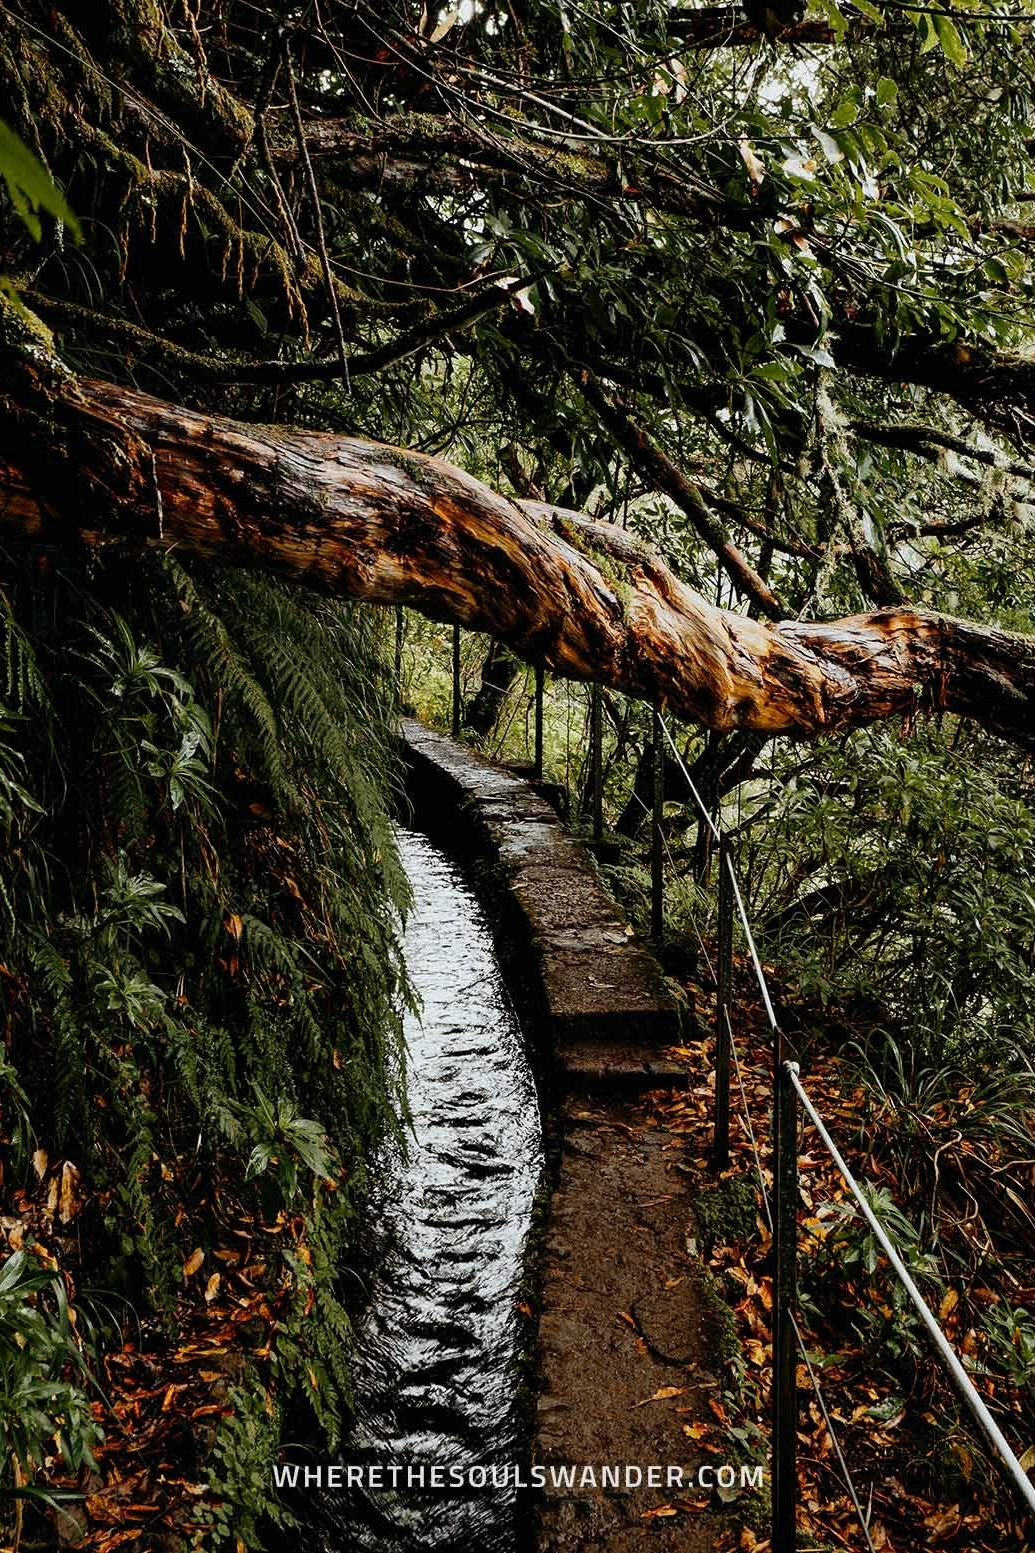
(199, 908)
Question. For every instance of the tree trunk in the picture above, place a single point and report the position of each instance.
(499, 670)
(376, 523)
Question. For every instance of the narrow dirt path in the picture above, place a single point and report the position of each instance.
(627, 1336)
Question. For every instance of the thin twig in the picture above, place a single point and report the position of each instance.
(321, 236)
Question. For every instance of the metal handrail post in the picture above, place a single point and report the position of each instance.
(538, 757)
(657, 837)
(785, 1293)
(723, 1005)
(456, 681)
(596, 734)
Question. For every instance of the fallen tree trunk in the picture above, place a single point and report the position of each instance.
(377, 523)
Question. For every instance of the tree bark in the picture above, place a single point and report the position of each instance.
(499, 670)
(419, 153)
(651, 461)
(109, 464)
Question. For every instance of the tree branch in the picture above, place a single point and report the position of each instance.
(728, 26)
(106, 464)
(997, 387)
(421, 154)
(915, 437)
(317, 205)
(649, 459)
(214, 369)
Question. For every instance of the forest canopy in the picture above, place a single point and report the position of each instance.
(766, 304)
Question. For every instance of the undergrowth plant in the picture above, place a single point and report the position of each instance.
(890, 877)
(46, 1384)
(199, 909)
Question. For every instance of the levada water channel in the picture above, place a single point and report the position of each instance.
(438, 1342)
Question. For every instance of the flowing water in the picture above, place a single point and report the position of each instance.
(438, 1344)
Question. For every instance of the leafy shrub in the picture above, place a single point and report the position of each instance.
(891, 877)
(44, 1403)
(199, 909)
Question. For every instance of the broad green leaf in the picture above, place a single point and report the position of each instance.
(925, 26)
(873, 12)
(849, 142)
(835, 17)
(845, 114)
(948, 36)
(30, 186)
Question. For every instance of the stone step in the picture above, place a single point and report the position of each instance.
(603, 1066)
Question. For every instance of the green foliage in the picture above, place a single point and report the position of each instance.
(1010, 1332)
(244, 1455)
(885, 1318)
(30, 188)
(44, 1382)
(198, 931)
(284, 1140)
(947, 1126)
(894, 875)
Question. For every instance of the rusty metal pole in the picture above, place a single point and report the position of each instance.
(456, 682)
(540, 677)
(785, 1291)
(657, 838)
(723, 1008)
(596, 758)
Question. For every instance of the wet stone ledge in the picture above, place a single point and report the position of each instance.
(601, 1008)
